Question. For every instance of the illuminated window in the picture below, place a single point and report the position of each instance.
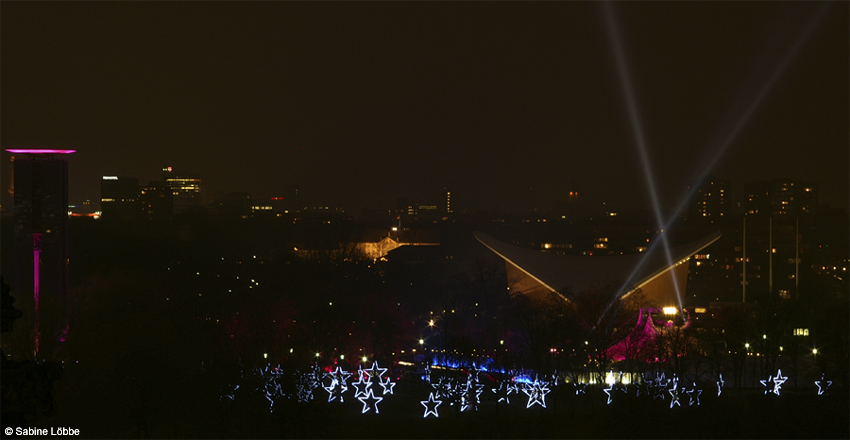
(601, 246)
(801, 332)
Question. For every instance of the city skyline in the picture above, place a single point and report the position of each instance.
(509, 105)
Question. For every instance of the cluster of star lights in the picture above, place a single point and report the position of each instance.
(462, 389)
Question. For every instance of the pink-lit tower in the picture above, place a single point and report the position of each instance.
(40, 283)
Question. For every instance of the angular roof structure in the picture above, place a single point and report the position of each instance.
(569, 273)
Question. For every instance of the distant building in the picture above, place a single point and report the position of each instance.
(40, 282)
(710, 199)
(156, 201)
(376, 243)
(780, 197)
(119, 198)
(185, 190)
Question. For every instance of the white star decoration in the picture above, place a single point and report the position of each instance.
(768, 385)
(609, 391)
(773, 384)
(536, 393)
(503, 392)
(431, 406)
(370, 401)
(581, 388)
(375, 373)
(778, 381)
(823, 385)
(471, 396)
(675, 392)
(338, 385)
(387, 386)
(694, 394)
(720, 384)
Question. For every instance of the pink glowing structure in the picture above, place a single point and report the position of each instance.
(38, 151)
(36, 260)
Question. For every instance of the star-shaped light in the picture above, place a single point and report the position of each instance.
(361, 387)
(375, 373)
(609, 391)
(474, 372)
(778, 381)
(471, 396)
(503, 392)
(442, 388)
(387, 386)
(232, 394)
(659, 386)
(823, 385)
(767, 385)
(720, 384)
(431, 406)
(676, 393)
(335, 390)
(619, 385)
(581, 388)
(305, 385)
(694, 394)
(370, 401)
(536, 394)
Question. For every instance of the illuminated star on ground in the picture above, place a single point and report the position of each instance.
(361, 387)
(720, 384)
(609, 391)
(536, 394)
(768, 385)
(694, 394)
(431, 405)
(370, 401)
(778, 381)
(581, 388)
(502, 392)
(823, 385)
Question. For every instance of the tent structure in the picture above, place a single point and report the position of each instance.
(537, 273)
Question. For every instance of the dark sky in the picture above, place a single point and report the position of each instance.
(509, 104)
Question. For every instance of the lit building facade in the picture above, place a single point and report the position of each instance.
(40, 283)
(710, 200)
(119, 198)
(780, 197)
(185, 190)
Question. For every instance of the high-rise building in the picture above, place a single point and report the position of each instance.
(710, 199)
(780, 197)
(40, 238)
(185, 190)
(119, 198)
(448, 201)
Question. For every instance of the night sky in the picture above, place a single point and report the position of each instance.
(509, 104)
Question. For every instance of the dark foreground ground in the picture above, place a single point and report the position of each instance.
(735, 414)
